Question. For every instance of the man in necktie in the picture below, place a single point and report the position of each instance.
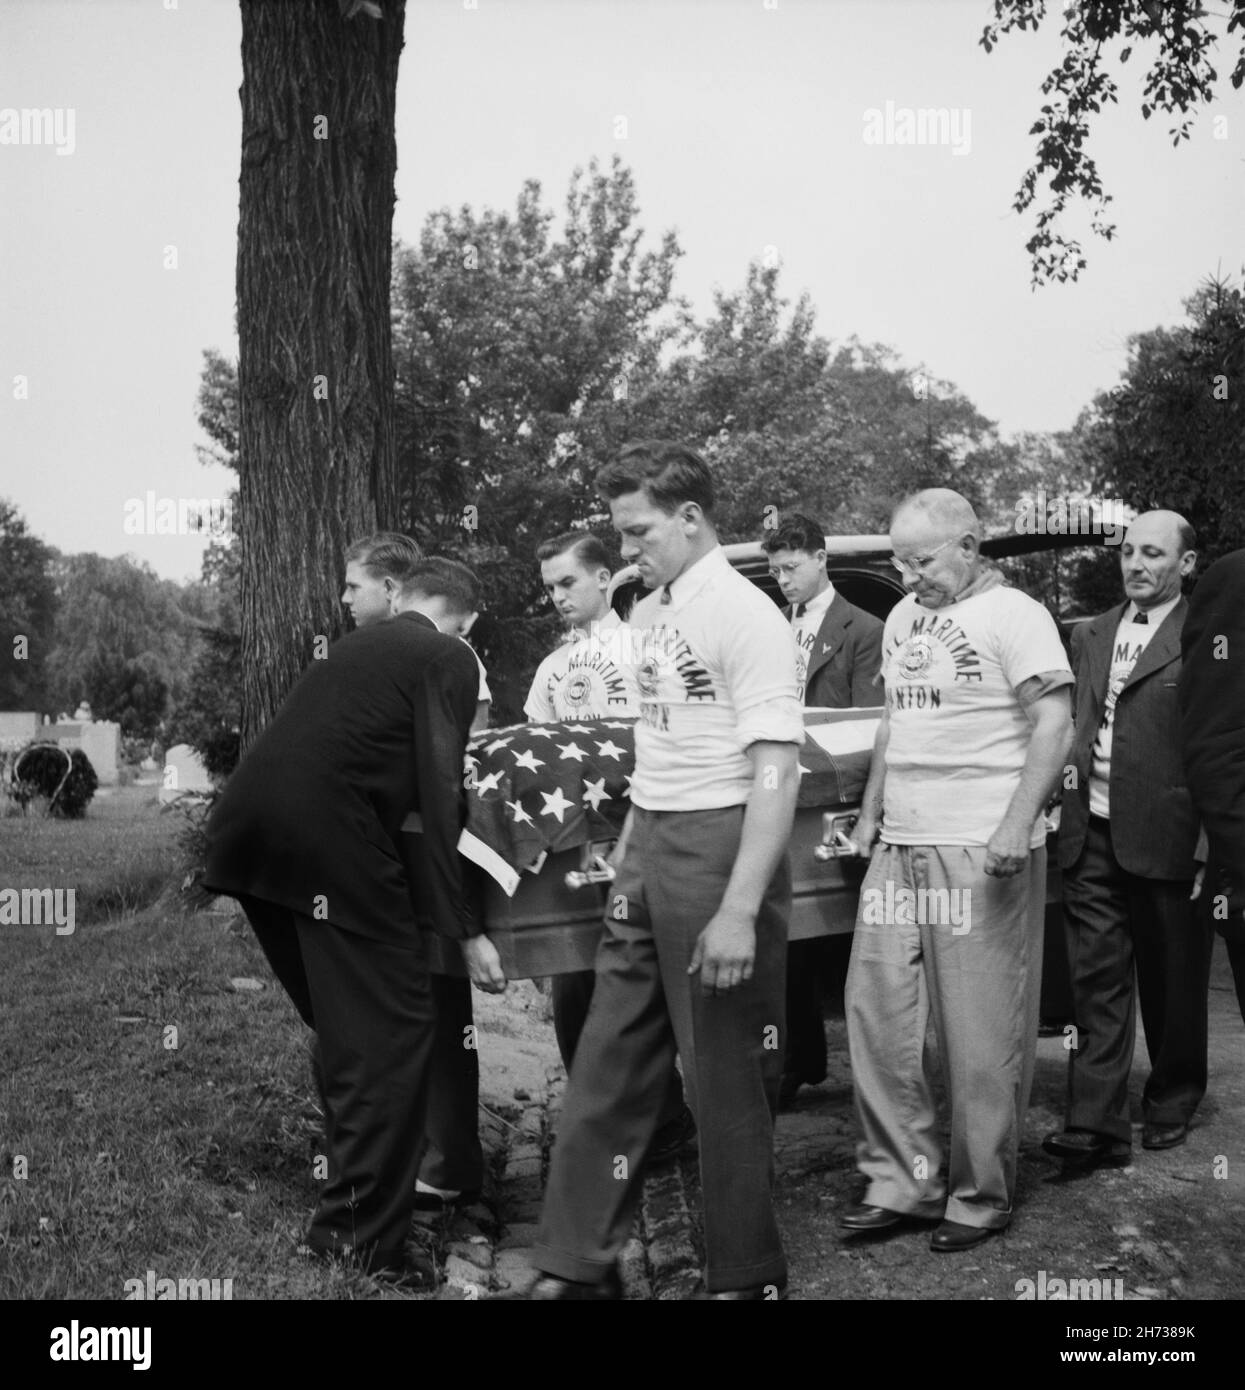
(838, 653)
(1127, 842)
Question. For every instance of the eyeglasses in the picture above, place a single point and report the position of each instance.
(922, 562)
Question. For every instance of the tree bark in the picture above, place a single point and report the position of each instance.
(315, 372)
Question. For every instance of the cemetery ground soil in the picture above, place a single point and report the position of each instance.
(195, 1160)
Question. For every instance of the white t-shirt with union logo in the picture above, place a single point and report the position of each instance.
(716, 674)
(958, 734)
(586, 678)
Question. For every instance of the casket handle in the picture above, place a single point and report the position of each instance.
(595, 869)
(836, 840)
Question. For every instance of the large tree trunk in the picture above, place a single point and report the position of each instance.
(315, 370)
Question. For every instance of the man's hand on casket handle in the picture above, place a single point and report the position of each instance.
(484, 964)
(864, 835)
(725, 951)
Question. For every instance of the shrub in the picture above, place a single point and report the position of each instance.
(40, 770)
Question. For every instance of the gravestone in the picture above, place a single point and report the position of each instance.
(183, 772)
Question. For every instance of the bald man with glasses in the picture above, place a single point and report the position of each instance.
(975, 731)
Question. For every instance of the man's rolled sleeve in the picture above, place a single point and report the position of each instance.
(760, 674)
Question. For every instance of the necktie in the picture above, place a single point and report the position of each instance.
(799, 611)
(665, 594)
(1142, 618)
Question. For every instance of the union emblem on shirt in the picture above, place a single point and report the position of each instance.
(916, 658)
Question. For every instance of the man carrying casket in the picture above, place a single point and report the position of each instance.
(306, 835)
(589, 676)
(976, 730)
(695, 932)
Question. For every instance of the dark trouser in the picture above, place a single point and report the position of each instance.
(452, 1158)
(1115, 921)
(645, 1009)
(806, 1029)
(572, 997)
(1233, 933)
(371, 1007)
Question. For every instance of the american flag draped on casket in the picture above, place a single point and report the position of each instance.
(536, 789)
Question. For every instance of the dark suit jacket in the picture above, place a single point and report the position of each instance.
(1212, 714)
(845, 659)
(1153, 825)
(313, 811)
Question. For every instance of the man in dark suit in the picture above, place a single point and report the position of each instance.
(1212, 714)
(838, 656)
(1127, 838)
(306, 835)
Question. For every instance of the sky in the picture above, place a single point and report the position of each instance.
(745, 123)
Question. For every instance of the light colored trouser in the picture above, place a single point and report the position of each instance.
(982, 987)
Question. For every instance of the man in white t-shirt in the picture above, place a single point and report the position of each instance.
(588, 677)
(974, 735)
(695, 931)
(1128, 841)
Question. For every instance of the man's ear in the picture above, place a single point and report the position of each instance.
(603, 578)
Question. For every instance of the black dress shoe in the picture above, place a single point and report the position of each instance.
(954, 1235)
(1163, 1136)
(863, 1217)
(549, 1288)
(672, 1137)
(1078, 1143)
(758, 1293)
(790, 1084)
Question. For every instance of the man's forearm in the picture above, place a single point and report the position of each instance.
(872, 798)
(766, 833)
(1045, 761)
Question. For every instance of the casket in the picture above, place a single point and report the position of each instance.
(543, 818)
(546, 803)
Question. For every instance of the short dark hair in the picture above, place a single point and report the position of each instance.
(795, 532)
(668, 474)
(386, 554)
(439, 577)
(590, 551)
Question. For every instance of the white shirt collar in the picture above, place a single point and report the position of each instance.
(1156, 615)
(695, 577)
(817, 607)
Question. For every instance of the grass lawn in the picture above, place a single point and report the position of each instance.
(152, 1117)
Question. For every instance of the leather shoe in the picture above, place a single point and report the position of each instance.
(863, 1217)
(790, 1085)
(758, 1293)
(1077, 1143)
(952, 1236)
(549, 1288)
(1163, 1136)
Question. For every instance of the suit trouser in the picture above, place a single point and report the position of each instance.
(371, 1007)
(1117, 921)
(572, 998)
(982, 987)
(453, 1159)
(805, 1055)
(645, 1008)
